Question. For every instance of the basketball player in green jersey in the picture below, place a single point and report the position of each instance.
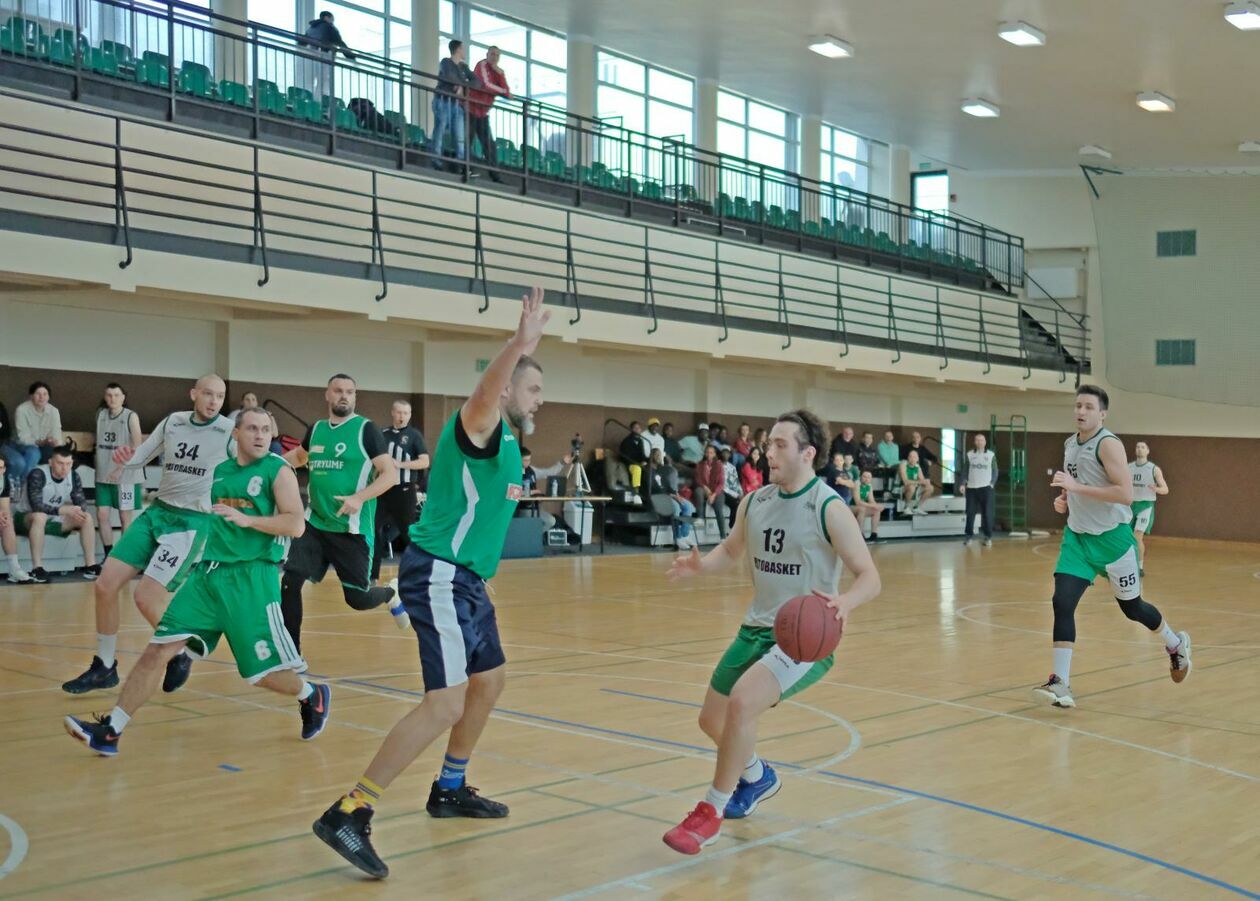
(166, 539)
(1095, 491)
(1148, 484)
(233, 591)
(796, 533)
(350, 468)
(474, 488)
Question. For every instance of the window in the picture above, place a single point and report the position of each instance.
(1176, 243)
(1174, 352)
(642, 98)
(949, 455)
(760, 134)
(930, 191)
(846, 159)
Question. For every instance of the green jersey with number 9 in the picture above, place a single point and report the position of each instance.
(340, 463)
(250, 489)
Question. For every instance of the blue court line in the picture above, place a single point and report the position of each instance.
(633, 694)
(927, 796)
(229, 768)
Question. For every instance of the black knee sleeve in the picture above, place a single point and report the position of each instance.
(291, 606)
(1068, 591)
(1141, 612)
(366, 599)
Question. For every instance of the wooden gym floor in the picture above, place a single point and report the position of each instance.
(918, 769)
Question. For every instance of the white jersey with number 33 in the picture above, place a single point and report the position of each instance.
(190, 451)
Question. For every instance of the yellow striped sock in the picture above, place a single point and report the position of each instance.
(364, 794)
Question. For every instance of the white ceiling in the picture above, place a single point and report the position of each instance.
(917, 59)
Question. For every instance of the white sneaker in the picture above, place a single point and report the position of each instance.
(1055, 691)
(988, 542)
(19, 577)
(395, 606)
(1179, 660)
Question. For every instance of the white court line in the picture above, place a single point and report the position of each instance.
(18, 846)
(730, 851)
(961, 613)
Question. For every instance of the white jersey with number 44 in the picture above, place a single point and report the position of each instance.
(190, 451)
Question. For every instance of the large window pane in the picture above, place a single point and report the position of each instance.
(374, 5)
(549, 49)
(621, 72)
(613, 102)
(280, 14)
(664, 119)
(400, 9)
(766, 149)
(446, 17)
(730, 139)
(548, 85)
(767, 118)
(400, 43)
(730, 107)
(675, 89)
(488, 29)
(362, 32)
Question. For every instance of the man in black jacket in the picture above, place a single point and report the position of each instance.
(454, 80)
(321, 42)
(634, 453)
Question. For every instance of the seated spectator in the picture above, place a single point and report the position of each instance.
(663, 480)
(866, 506)
(634, 453)
(249, 400)
(844, 443)
(22, 458)
(693, 445)
(867, 456)
(710, 488)
(927, 459)
(55, 506)
(889, 452)
(915, 485)
(837, 477)
(731, 486)
(673, 450)
(8, 537)
(38, 424)
(653, 437)
(750, 477)
(742, 445)
(529, 488)
(721, 437)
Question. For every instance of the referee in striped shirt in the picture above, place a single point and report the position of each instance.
(397, 506)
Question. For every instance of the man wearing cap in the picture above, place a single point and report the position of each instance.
(693, 445)
(655, 440)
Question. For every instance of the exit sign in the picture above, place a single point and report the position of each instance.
(962, 408)
(483, 365)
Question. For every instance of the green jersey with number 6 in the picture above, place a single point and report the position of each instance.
(340, 463)
(250, 489)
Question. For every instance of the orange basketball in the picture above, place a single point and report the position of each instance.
(806, 628)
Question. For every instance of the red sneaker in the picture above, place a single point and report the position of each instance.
(700, 828)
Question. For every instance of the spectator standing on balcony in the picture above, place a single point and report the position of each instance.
(710, 488)
(867, 456)
(655, 440)
(693, 446)
(22, 458)
(454, 80)
(634, 451)
(844, 443)
(750, 476)
(673, 450)
(322, 41)
(493, 84)
(39, 423)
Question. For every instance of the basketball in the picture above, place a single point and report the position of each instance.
(806, 628)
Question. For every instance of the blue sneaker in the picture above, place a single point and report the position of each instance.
(314, 711)
(749, 794)
(97, 734)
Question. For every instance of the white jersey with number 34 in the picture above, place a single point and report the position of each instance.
(190, 451)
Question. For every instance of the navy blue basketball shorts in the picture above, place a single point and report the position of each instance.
(453, 618)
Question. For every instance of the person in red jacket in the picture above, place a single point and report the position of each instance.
(710, 485)
(750, 473)
(493, 85)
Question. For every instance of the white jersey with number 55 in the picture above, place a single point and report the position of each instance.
(190, 451)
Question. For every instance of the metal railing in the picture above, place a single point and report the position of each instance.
(124, 180)
(195, 59)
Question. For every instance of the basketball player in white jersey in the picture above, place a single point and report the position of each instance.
(796, 533)
(1148, 484)
(167, 538)
(1095, 491)
(116, 426)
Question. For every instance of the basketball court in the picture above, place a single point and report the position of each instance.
(919, 767)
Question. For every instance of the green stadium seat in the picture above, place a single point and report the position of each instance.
(792, 220)
(235, 93)
(726, 206)
(534, 160)
(23, 37)
(154, 69)
(813, 229)
(757, 211)
(303, 105)
(415, 136)
(113, 59)
(195, 79)
(554, 164)
(743, 210)
(774, 216)
(651, 190)
(61, 48)
(270, 100)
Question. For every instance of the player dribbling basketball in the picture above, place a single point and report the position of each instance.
(796, 533)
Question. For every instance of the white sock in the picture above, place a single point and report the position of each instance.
(105, 647)
(1172, 640)
(14, 564)
(755, 769)
(307, 690)
(119, 719)
(717, 799)
(1063, 664)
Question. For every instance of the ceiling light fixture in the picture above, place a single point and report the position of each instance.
(1021, 34)
(1243, 16)
(1155, 102)
(981, 109)
(831, 47)
(1249, 147)
(1095, 150)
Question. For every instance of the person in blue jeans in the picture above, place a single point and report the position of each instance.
(20, 458)
(663, 479)
(454, 79)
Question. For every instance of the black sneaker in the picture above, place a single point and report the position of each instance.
(98, 675)
(97, 734)
(349, 834)
(463, 802)
(314, 712)
(90, 572)
(39, 575)
(177, 671)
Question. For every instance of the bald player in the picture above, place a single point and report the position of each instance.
(167, 538)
